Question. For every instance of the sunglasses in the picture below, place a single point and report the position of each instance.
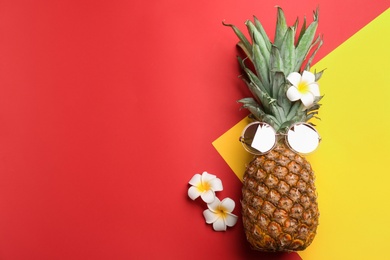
(260, 138)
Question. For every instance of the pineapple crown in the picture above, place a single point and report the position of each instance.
(267, 66)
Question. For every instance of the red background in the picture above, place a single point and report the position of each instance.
(108, 108)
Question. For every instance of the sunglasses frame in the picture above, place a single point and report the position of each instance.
(254, 151)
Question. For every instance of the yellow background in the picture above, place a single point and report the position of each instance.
(352, 164)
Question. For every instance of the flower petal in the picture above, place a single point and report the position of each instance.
(213, 206)
(308, 77)
(294, 78)
(219, 224)
(231, 219)
(208, 196)
(196, 179)
(307, 99)
(314, 89)
(209, 216)
(207, 177)
(293, 94)
(228, 204)
(193, 193)
(216, 184)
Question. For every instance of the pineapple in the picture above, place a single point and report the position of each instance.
(279, 203)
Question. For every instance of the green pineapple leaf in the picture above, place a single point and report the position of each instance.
(257, 38)
(288, 51)
(247, 52)
(281, 28)
(280, 87)
(303, 29)
(260, 28)
(244, 43)
(258, 113)
(260, 97)
(276, 60)
(295, 25)
(253, 107)
(276, 65)
(318, 75)
(294, 110)
(261, 67)
(319, 43)
(278, 112)
(305, 42)
(252, 76)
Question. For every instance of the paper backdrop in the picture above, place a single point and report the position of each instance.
(108, 108)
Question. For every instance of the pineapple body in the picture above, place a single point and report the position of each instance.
(279, 204)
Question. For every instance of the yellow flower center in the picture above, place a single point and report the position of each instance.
(204, 186)
(303, 87)
(221, 212)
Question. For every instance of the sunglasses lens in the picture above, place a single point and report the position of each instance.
(258, 138)
(303, 138)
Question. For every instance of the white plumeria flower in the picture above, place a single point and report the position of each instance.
(303, 87)
(205, 186)
(219, 213)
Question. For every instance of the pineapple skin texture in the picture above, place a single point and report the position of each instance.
(279, 204)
